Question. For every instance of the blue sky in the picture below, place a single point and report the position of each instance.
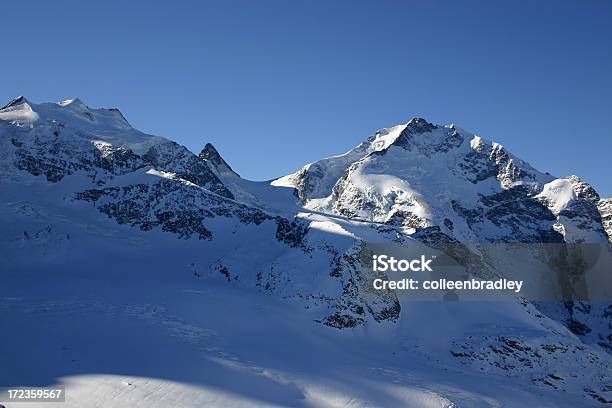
(274, 85)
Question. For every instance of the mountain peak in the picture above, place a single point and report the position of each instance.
(79, 107)
(212, 155)
(209, 152)
(20, 100)
(119, 115)
(419, 125)
(19, 109)
(76, 102)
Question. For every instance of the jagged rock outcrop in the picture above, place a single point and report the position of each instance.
(172, 203)
(211, 154)
(605, 211)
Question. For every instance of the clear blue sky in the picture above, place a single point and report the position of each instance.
(277, 84)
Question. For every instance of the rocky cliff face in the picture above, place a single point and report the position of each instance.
(210, 154)
(605, 211)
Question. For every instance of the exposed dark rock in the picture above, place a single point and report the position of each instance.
(172, 157)
(292, 233)
(212, 155)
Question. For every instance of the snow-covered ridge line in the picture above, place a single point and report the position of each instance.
(103, 124)
(412, 176)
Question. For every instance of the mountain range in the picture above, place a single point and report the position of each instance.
(98, 216)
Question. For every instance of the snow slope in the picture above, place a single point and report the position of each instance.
(141, 274)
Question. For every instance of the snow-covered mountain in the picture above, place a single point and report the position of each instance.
(87, 198)
(419, 176)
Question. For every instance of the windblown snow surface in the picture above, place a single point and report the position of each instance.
(138, 274)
